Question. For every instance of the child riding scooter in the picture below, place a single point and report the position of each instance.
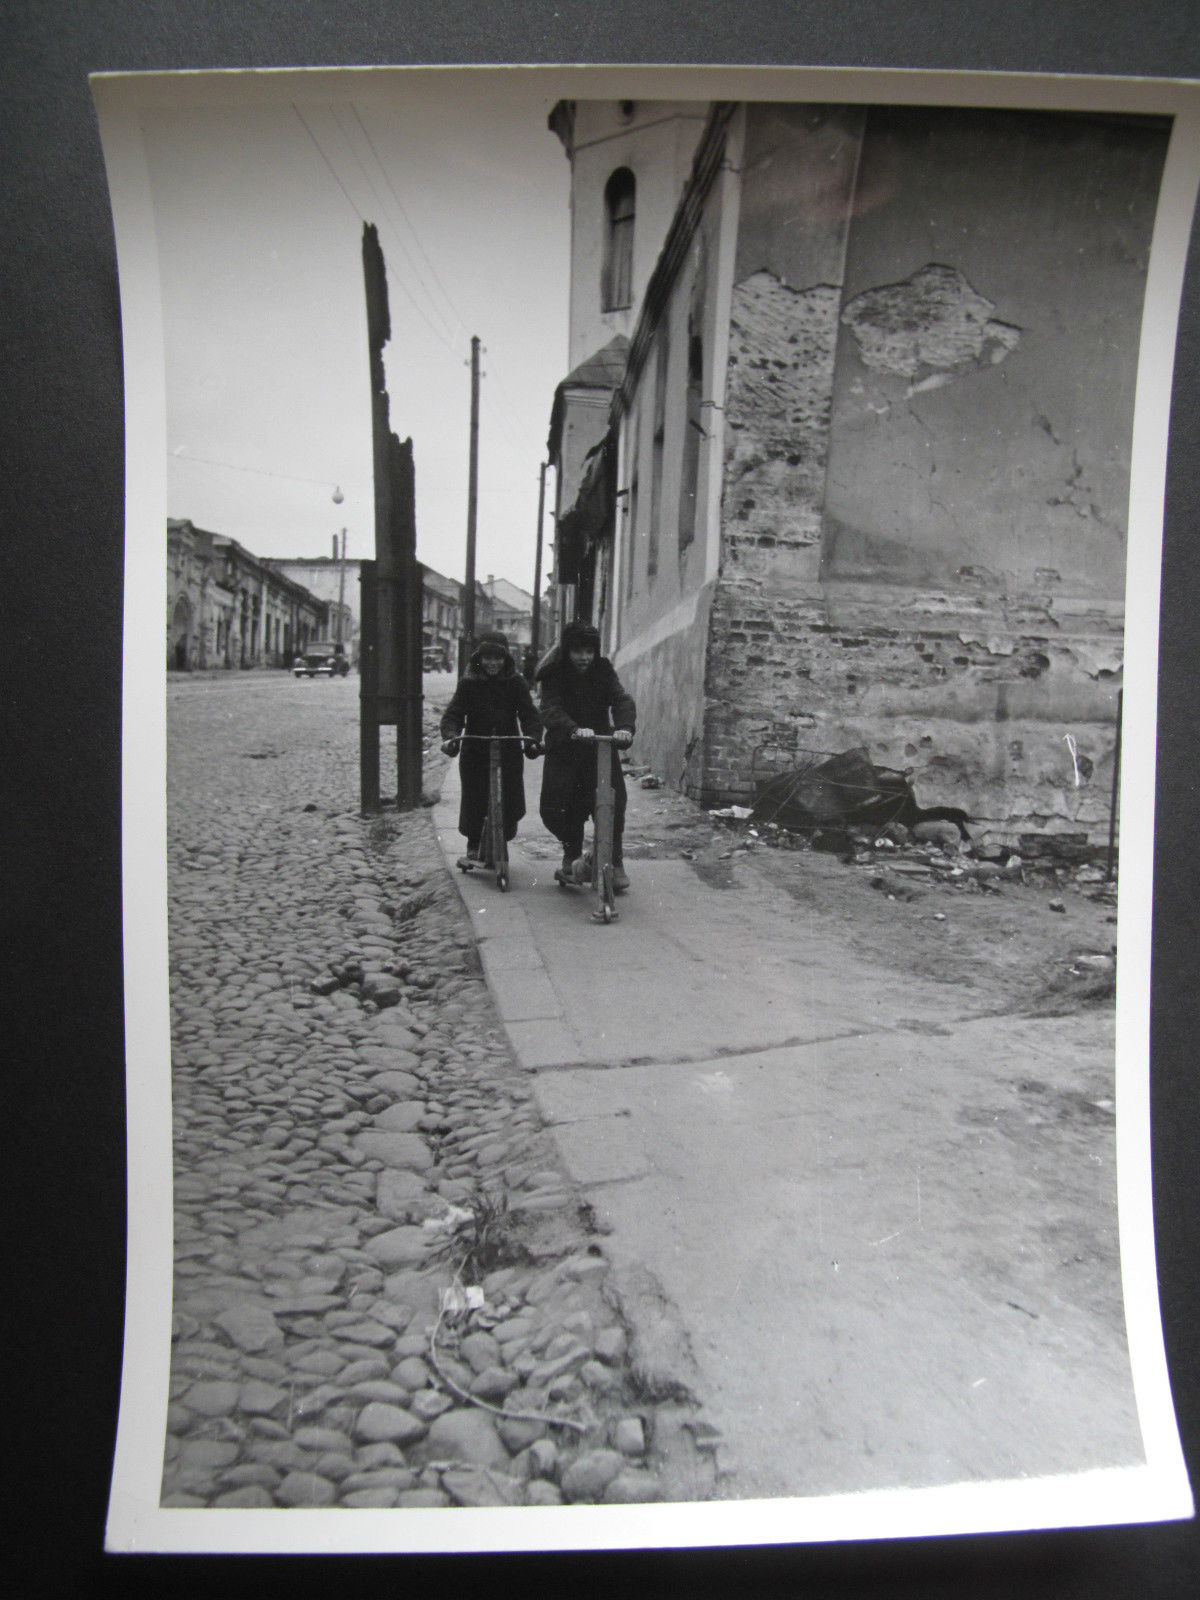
(491, 699)
(581, 697)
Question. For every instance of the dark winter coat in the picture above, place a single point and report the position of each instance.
(593, 699)
(486, 705)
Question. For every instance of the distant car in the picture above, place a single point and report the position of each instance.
(435, 658)
(322, 659)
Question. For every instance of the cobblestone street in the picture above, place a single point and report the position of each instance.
(387, 1292)
(454, 1227)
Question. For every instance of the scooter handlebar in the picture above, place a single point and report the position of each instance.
(533, 748)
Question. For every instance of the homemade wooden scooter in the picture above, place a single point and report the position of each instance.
(605, 909)
(492, 844)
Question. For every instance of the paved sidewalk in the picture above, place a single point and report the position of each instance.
(855, 1186)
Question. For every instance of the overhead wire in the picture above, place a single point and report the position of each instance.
(383, 204)
(411, 225)
(359, 214)
(183, 454)
(500, 414)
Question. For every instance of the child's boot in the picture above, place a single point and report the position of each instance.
(471, 859)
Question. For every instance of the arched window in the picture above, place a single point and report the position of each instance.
(616, 280)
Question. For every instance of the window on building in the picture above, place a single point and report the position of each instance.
(662, 362)
(616, 277)
(693, 433)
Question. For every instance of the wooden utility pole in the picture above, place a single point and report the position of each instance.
(390, 691)
(535, 634)
(468, 613)
(341, 585)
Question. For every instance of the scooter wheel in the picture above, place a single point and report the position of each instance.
(502, 880)
(607, 912)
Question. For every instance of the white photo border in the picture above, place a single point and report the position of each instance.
(1155, 1491)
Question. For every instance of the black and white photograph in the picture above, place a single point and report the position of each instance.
(641, 634)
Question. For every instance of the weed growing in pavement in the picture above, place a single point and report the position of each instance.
(485, 1238)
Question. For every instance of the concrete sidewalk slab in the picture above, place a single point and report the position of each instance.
(543, 1044)
(863, 1197)
(510, 953)
(848, 1329)
(602, 1150)
(524, 994)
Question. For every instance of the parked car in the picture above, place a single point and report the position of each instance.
(322, 659)
(435, 658)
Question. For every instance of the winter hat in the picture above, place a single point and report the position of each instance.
(579, 635)
(492, 644)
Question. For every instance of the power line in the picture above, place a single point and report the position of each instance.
(500, 414)
(358, 213)
(212, 461)
(411, 225)
(382, 199)
(328, 163)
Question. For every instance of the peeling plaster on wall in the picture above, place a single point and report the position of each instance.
(781, 347)
(930, 329)
(1099, 661)
(921, 502)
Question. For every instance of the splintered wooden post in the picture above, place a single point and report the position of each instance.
(398, 696)
(368, 689)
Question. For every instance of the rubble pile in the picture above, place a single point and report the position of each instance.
(934, 852)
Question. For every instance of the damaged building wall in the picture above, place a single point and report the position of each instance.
(797, 195)
(929, 413)
(668, 522)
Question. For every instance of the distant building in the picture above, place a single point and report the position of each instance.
(441, 617)
(226, 608)
(866, 478)
(335, 582)
(512, 612)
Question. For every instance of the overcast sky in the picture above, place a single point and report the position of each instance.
(259, 216)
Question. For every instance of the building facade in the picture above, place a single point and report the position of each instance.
(226, 608)
(335, 581)
(867, 475)
(629, 162)
(512, 612)
(441, 617)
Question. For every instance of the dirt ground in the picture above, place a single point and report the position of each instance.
(1039, 943)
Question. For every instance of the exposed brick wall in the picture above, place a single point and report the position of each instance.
(973, 690)
(982, 709)
(781, 348)
(949, 644)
